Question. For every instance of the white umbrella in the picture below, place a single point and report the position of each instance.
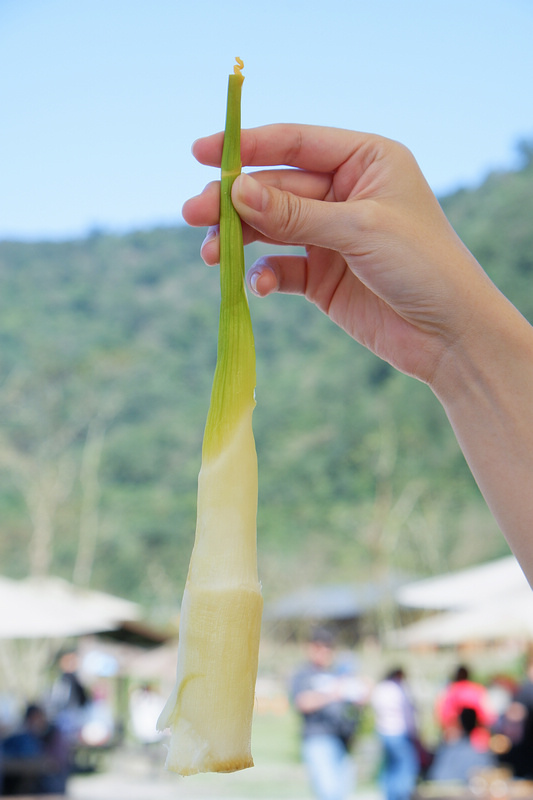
(50, 607)
(509, 617)
(466, 587)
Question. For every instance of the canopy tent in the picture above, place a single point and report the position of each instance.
(50, 607)
(489, 602)
(465, 588)
(508, 618)
(324, 603)
(351, 610)
(334, 602)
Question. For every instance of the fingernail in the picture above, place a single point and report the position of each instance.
(253, 282)
(250, 192)
(211, 234)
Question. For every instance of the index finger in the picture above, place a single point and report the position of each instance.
(312, 147)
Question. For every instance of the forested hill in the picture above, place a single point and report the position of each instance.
(107, 351)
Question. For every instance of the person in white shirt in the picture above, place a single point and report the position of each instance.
(395, 723)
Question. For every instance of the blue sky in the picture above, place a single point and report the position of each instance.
(101, 99)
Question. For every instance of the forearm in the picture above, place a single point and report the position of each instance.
(485, 385)
(309, 701)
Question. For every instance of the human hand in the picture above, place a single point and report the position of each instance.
(381, 259)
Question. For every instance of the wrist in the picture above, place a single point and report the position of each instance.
(483, 362)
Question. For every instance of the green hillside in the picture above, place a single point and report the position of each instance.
(107, 351)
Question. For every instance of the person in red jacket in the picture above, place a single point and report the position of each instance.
(463, 693)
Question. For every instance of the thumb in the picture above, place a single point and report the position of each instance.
(285, 217)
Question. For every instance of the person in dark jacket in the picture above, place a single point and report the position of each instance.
(327, 698)
(38, 756)
(457, 759)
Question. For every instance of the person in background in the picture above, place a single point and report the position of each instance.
(395, 721)
(520, 734)
(464, 693)
(68, 700)
(458, 758)
(327, 698)
(42, 755)
(145, 707)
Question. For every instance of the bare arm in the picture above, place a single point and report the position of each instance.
(310, 700)
(487, 392)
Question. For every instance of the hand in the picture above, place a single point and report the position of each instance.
(381, 259)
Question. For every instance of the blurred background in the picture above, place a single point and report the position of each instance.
(108, 326)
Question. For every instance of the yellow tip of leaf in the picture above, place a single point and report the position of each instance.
(238, 66)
